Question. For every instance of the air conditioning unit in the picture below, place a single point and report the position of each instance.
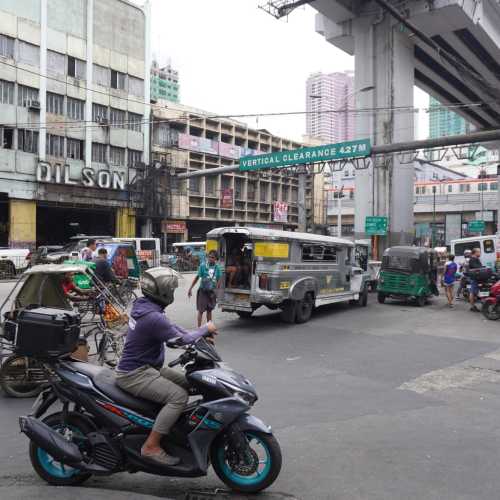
(102, 120)
(32, 104)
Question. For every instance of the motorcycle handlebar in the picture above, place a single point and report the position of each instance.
(175, 362)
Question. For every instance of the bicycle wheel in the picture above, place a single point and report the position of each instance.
(22, 377)
(110, 348)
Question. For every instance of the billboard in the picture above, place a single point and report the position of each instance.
(170, 226)
(280, 211)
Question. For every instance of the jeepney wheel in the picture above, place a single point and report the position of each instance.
(304, 309)
(363, 297)
(288, 311)
(244, 314)
(381, 297)
(421, 300)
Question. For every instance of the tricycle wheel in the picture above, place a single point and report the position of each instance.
(381, 297)
(421, 300)
(244, 314)
(363, 297)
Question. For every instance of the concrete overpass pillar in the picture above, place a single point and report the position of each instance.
(384, 59)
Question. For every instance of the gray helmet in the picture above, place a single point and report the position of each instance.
(159, 284)
(467, 253)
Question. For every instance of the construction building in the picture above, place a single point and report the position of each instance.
(188, 139)
(74, 77)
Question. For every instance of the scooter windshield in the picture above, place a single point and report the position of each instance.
(207, 350)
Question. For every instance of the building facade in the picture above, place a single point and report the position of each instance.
(443, 122)
(73, 117)
(327, 98)
(164, 83)
(187, 140)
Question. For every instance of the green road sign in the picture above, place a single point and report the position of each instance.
(328, 152)
(476, 226)
(376, 226)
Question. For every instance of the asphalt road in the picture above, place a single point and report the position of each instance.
(384, 402)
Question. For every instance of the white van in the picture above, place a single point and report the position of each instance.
(147, 249)
(489, 245)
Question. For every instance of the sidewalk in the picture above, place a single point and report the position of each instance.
(42, 492)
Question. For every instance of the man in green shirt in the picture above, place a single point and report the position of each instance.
(210, 275)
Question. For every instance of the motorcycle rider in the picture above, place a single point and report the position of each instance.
(140, 370)
(463, 269)
(474, 263)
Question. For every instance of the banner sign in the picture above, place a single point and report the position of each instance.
(226, 199)
(177, 227)
(280, 211)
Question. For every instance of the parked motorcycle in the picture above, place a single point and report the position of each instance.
(100, 429)
(491, 304)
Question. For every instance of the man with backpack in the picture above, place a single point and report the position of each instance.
(210, 275)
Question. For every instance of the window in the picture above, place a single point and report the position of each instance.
(494, 186)
(118, 80)
(263, 192)
(464, 188)
(6, 92)
(210, 185)
(76, 109)
(77, 68)
(482, 186)
(450, 188)
(135, 86)
(135, 122)
(27, 141)
(117, 118)
(238, 188)
(98, 152)
(75, 149)
(6, 138)
(194, 185)
(56, 63)
(117, 156)
(55, 145)
(99, 113)
(29, 54)
(134, 157)
(101, 75)
(6, 46)
(460, 248)
(488, 246)
(26, 96)
(319, 252)
(251, 188)
(55, 103)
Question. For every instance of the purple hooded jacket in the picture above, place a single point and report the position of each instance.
(148, 330)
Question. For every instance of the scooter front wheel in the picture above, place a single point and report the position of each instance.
(259, 469)
(491, 311)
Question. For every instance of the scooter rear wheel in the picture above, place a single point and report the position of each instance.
(57, 473)
(491, 311)
(261, 470)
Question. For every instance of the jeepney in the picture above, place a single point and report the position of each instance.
(293, 272)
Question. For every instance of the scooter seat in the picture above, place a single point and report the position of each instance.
(104, 380)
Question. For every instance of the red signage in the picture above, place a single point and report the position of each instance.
(226, 200)
(178, 227)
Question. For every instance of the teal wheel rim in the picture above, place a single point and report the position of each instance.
(263, 469)
(51, 465)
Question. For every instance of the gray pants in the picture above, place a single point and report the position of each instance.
(165, 386)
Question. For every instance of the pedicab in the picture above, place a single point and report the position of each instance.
(39, 291)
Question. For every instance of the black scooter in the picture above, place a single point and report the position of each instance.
(101, 428)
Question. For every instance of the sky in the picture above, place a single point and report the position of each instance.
(234, 58)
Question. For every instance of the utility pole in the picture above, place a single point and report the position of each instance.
(433, 234)
(498, 200)
(301, 200)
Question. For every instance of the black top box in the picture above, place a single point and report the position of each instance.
(46, 332)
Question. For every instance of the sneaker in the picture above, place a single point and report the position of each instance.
(161, 458)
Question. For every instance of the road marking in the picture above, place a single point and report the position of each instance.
(452, 377)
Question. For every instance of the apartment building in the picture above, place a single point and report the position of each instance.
(190, 140)
(164, 82)
(74, 75)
